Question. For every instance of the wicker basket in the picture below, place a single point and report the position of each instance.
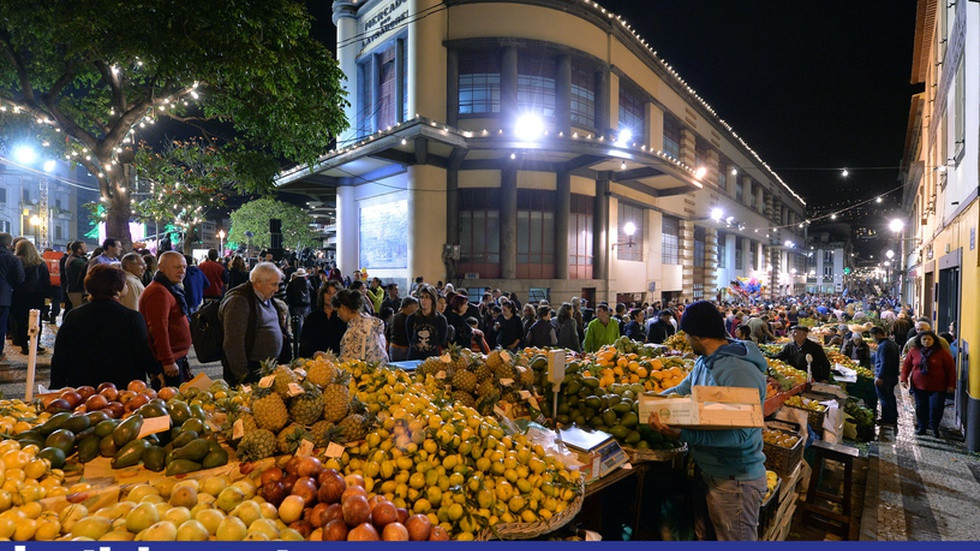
(640, 456)
(530, 530)
(780, 460)
(813, 418)
(768, 510)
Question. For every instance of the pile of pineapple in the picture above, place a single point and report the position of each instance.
(311, 401)
(474, 380)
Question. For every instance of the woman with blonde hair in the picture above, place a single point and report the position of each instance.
(30, 294)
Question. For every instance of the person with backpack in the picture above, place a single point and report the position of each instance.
(252, 325)
(53, 259)
(75, 267)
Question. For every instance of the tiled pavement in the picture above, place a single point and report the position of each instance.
(916, 488)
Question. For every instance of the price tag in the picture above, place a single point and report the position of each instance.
(295, 389)
(246, 388)
(334, 450)
(266, 382)
(533, 403)
(506, 382)
(499, 411)
(301, 372)
(592, 536)
(525, 394)
(305, 448)
(153, 425)
(505, 356)
(441, 375)
(627, 466)
(238, 429)
(446, 358)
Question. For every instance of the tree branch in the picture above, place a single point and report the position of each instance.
(11, 53)
(112, 80)
(62, 81)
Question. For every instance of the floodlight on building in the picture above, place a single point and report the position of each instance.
(878, 199)
(717, 214)
(529, 127)
(734, 171)
(624, 137)
(49, 165)
(629, 229)
(25, 154)
(789, 244)
(890, 254)
(833, 216)
(896, 225)
(844, 173)
(700, 172)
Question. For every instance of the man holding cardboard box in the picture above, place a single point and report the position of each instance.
(731, 461)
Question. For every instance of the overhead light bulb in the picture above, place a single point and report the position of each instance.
(844, 173)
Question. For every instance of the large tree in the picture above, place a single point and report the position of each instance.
(84, 78)
(254, 216)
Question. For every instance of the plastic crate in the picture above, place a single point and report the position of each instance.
(768, 509)
(780, 460)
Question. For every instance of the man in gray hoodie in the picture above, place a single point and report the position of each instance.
(731, 461)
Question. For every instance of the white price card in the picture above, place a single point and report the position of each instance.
(305, 448)
(266, 382)
(238, 429)
(446, 358)
(506, 382)
(505, 356)
(153, 425)
(334, 450)
(441, 375)
(246, 388)
(295, 389)
(301, 372)
(499, 411)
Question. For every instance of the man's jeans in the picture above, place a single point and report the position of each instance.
(733, 507)
(889, 403)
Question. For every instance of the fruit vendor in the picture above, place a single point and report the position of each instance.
(795, 352)
(731, 462)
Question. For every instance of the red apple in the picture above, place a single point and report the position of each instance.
(85, 391)
(356, 510)
(136, 385)
(114, 410)
(438, 533)
(306, 488)
(309, 466)
(292, 466)
(332, 486)
(73, 398)
(383, 514)
(419, 527)
(57, 405)
(104, 386)
(363, 532)
(95, 402)
(335, 530)
(273, 492)
(111, 394)
(395, 531)
(272, 474)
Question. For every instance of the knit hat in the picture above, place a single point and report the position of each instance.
(702, 319)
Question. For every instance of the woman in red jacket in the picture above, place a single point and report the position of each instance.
(933, 375)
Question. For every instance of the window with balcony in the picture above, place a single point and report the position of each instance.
(959, 106)
(583, 94)
(630, 247)
(632, 109)
(739, 189)
(536, 84)
(672, 137)
(383, 88)
(671, 231)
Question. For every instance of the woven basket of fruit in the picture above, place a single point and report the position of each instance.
(530, 530)
(782, 446)
(815, 411)
(639, 456)
(769, 503)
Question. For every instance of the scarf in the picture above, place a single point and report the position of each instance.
(176, 289)
(924, 360)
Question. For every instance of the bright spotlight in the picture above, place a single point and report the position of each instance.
(49, 166)
(844, 173)
(789, 244)
(717, 214)
(629, 229)
(25, 154)
(833, 217)
(896, 225)
(529, 127)
(734, 171)
(878, 199)
(625, 135)
(700, 172)
(890, 254)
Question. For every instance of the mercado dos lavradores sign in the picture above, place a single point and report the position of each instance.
(382, 19)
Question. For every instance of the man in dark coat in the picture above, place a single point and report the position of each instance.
(795, 352)
(661, 329)
(11, 276)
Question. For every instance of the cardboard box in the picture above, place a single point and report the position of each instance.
(708, 407)
(597, 450)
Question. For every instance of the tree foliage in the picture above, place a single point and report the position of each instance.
(254, 216)
(88, 79)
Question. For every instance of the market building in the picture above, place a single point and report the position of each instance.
(940, 173)
(541, 146)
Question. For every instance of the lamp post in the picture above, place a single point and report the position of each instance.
(221, 242)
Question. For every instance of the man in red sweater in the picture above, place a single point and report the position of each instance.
(164, 308)
(217, 276)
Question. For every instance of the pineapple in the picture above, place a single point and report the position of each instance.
(494, 360)
(270, 411)
(284, 376)
(525, 375)
(459, 361)
(336, 398)
(307, 408)
(464, 380)
(323, 370)
(353, 428)
(464, 398)
(290, 437)
(430, 366)
(483, 372)
(505, 371)
(256, 445)
(323, 433)
(487, 388)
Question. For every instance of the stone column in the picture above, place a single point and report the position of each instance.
(711, 163)
(563, 210)
(563, 94)
(711, 252)
(508, 222)
(687, 146)
(600, 228)
(746, 191)
(687, 259)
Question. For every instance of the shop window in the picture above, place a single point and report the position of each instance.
(632, 107)
(479, 233)
(535, 234)
(583, 95)
(580, 237)
(630, 247)
(671, 231)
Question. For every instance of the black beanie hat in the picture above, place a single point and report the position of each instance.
(702, 319)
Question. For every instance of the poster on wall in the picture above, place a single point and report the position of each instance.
(383, 231)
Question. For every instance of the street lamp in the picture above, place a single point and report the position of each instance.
(36, 222)
(221, 242)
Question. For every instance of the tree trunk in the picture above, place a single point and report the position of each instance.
(119, 211)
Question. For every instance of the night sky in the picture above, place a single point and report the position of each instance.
(811, 86)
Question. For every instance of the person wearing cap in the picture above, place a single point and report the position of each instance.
(886, 366)
(731, 461)
(856, 349)
(795, 352)
(661, 329)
